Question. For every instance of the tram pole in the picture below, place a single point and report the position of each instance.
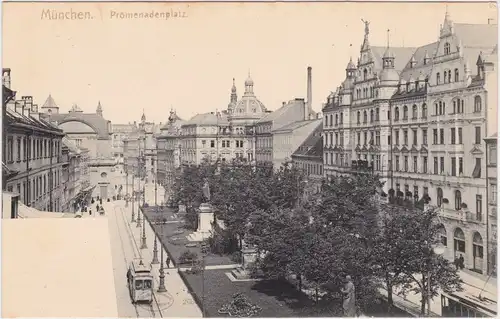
(126, 186)
(155, 248)
(133, 195)
(139, 171)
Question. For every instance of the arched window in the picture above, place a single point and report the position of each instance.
(459, 241)
(443, 237)
(414, 111)
(458, 200)
(377, 114)
(457, 75)
(341, 118)
(371, 116)
(449, 76)
(446, 48)
(405, 112)
(445, 77)
(365, 117)
(424, 111)
(365, 74)
(438, 78)
(336, 119)
(359, 117)
(396, 114)
(439, 197)
(104, 175)
(477, 252)
(477, 104)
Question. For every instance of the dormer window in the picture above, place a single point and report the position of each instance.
(446, 48)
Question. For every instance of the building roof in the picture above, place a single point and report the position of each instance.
(419, 69)
(272, 116)
(14, 118)
(207, 119)
(50, 103)
(97, 122)
(71, 145)
(401, 56)
(313, 145)
(295, 125)
(65, 262)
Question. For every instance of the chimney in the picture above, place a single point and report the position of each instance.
(309, 93)
(6, 77)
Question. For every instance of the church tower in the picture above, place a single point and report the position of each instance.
(99, 109)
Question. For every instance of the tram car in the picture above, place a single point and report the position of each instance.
(140, 282)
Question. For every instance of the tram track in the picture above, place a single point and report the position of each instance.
(136, 251)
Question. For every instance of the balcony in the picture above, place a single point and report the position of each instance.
(458, 215)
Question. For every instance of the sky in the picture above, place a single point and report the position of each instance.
(188, 63)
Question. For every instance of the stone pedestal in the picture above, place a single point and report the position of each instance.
(248, 256)
(205, 218)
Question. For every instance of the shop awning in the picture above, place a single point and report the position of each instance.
(30, 212)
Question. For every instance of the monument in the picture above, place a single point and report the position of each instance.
(205, 217)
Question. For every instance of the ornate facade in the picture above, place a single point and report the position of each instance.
(417, 117)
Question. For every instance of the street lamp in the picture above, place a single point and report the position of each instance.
(155, 248)
(438, 249)
(126, 186)
(133, 195)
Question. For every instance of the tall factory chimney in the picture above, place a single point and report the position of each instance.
(309, 93)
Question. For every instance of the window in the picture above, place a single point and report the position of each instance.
(406, 163)
(452, 135)
(457, 75)
(396, 114)
(458, 200)
(415, 164)
(415, 137)
(442, 165)
(479, 206)
(359, 117)
(18, 149)
(424, 168)
(377, 114)
(377, 138)
(424, 111)
(477, 104)
(372, 138)
(371, 116)
(446, 48)
(477, 169)
(441, 136)
(336, 119)
(397, 138)
(397, 163)
(493, 155)
(203, 143)
(25, 150)
(405, 137)
(365, 138)
(365, 118)
(460, 166)
(359, 138)
(459, 135)
(405, 112)
(336, 138)
(414, 112)
(341, 138)
(436, 166)
(439, 196)
(424, 136)
(438, 78)
(212, 143)
(445, 76)
(477, 139)
(453, 166)
(435, 136)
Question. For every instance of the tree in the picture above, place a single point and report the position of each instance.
(421, 233)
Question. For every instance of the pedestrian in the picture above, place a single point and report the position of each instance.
(168, 261)
(457, 262)
(90, 212)
(462, 262)
(97, 207)
(349, 304)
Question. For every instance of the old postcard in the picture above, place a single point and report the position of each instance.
(182, 159)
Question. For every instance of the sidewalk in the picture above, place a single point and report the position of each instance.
(177, 301)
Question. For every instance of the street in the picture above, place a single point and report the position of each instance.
(125, 245)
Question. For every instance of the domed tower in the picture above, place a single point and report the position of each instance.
(233, 99)
(248, 108)
(99, 109)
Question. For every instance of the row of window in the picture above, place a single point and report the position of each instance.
(37, 187)
(447, 76)
(456, 165)
(340, 159)
(311, 169)
(38, 148)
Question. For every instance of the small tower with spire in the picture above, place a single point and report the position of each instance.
(350, 69)
(143, 118)
(234, 96)
(50, 106)
(249, 85)
(447, 27)
(388, 58)
(99, 109)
